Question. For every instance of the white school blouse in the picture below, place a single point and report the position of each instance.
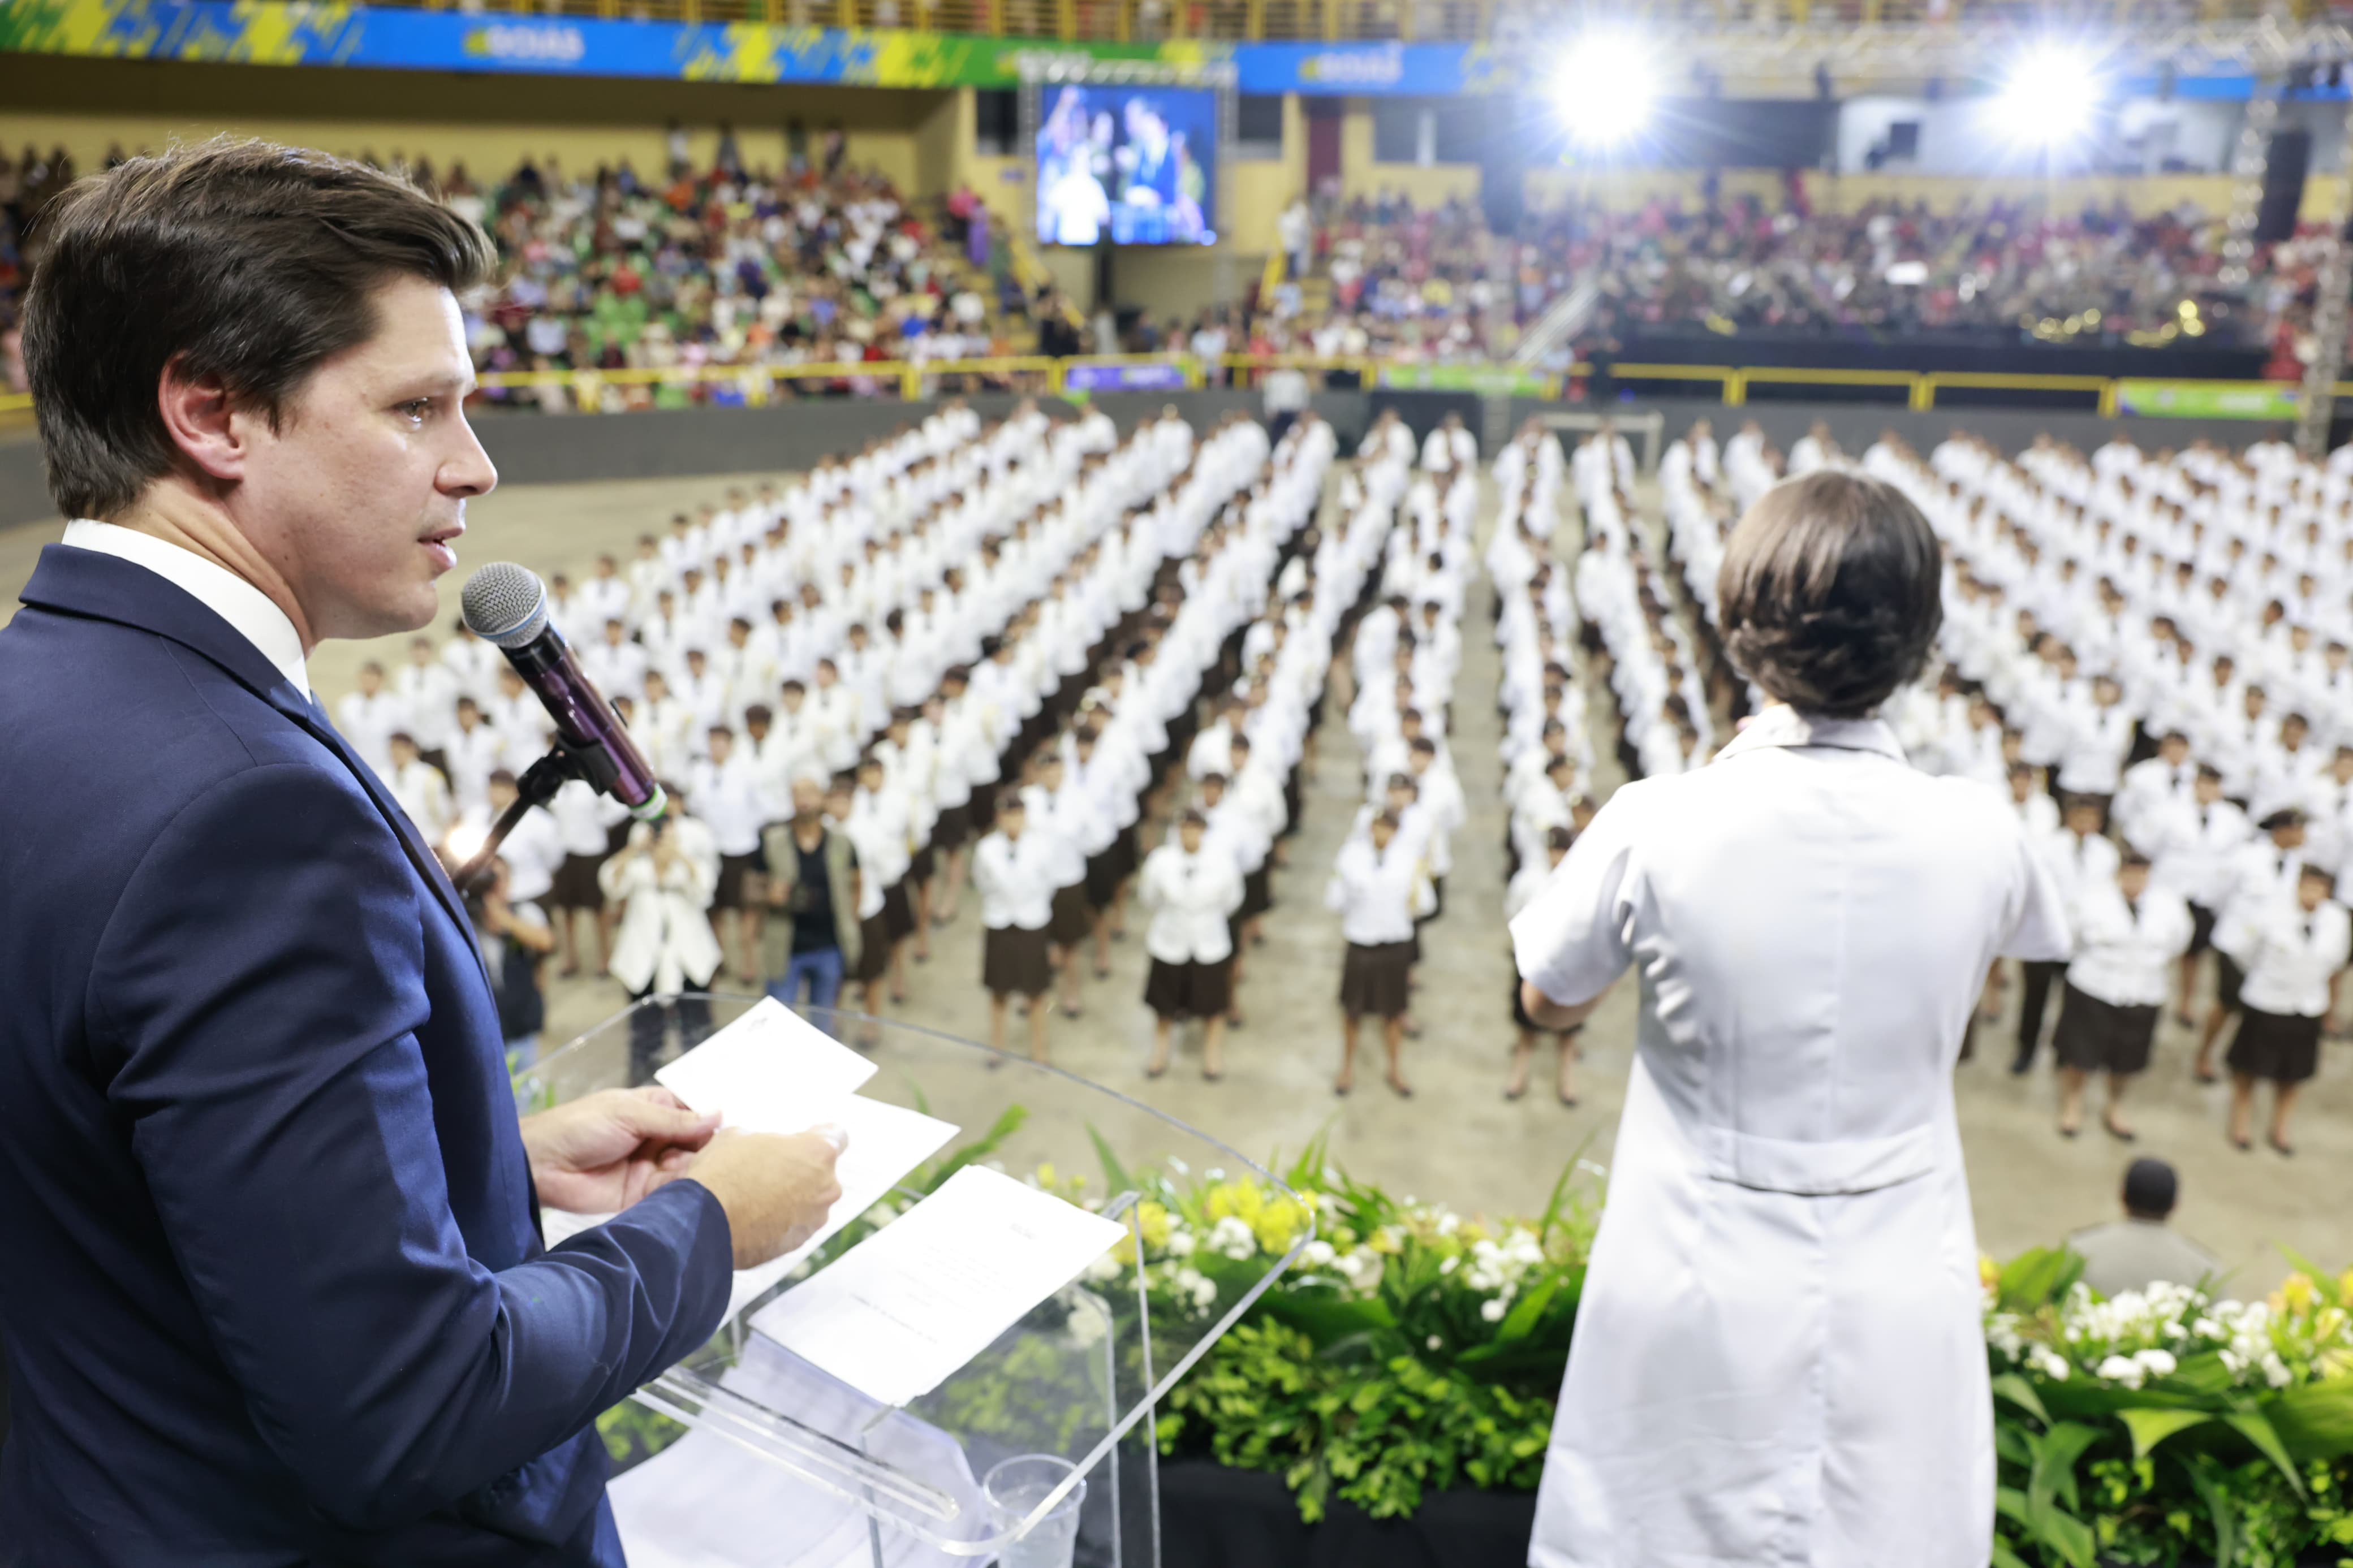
(1778, 1357)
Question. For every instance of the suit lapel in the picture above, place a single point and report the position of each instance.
(90, 584)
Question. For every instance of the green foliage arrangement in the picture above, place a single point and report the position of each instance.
(1410, 1348)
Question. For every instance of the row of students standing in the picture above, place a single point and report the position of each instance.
(1405, 649)
(1056, 871)
(1546, 750)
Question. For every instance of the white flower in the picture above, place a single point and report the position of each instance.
(2050, 1364)
(2122, 1369)
(1179, 1167)
(2157, 1362)
(1180, 1244)
(2276, 1372)
(1493, 1311)
(1317, 1254)
(1103, 1269)
(1449, 1266)
(1434, 1342)
(1233, 1238)
(1086, 1329)
(1214, 1174)
(1450, 1224)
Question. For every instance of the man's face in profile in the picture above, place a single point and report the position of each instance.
(359, 495)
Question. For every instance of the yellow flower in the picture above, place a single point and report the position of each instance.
(1046, 1176)
(1988, 1271)
(2334, 1363)
(1278, 1224)
(2345, 1288)
(1385, 1240)
(2297, 1292)
(1123, 1253)
(1239, 1200)
(1153, 1218)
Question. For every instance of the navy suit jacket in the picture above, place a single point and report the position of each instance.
(271, 1286)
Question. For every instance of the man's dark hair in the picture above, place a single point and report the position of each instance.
(243, 260)
(1831, 593)
(2150, 1188)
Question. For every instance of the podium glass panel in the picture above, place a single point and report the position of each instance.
(1077, 1378)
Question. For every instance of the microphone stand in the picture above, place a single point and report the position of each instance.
(536, 787)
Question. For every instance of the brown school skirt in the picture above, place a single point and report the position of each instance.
(1072, 920)
(732, 870)
(2282, 1046)
(1374, 980)
(575, 883)
(2093, 1036)
(1190, 990)
(1013, 963)
(874, 948)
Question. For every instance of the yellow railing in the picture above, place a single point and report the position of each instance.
(1240, 21)
(911, 380)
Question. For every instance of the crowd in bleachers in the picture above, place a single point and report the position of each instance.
(689, 267)
(1421, 283)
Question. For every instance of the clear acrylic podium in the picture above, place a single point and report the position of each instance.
(783, 1465)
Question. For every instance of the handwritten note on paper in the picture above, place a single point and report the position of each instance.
(908, 1306)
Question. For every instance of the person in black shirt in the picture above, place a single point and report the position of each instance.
(812, 874)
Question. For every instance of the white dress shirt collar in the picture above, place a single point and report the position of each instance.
(244, 606)
(1783, 725)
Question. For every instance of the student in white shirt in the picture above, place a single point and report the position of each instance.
(1016, 883)
(475, 750)
(2292, 951)
(664, 946)
(1191, 895)
(2127, 936)
(368, 716)
(2263, 874)
(727, 796)
(428, 690)
(1372, 887)
(2077, 857)
(420, 788)
(1523, 889)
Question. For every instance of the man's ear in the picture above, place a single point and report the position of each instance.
(208, 425)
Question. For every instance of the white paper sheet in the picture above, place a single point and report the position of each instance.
(908, 1306)
(886, 1141)
(771, 1070)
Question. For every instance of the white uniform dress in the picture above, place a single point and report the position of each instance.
(1778, 1357)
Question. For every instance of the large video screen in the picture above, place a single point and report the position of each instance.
(1132, 164)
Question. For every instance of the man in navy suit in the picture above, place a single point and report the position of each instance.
(272, 1286)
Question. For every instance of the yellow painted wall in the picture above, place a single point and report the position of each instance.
(1361, 175)
(489, 121)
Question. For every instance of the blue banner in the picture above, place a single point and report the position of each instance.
(1159, 377)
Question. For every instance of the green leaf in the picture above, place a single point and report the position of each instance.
(2021, 1393)
(2257, 1429)
(2316, 1421)
(2055, 1453)
(2003, 1557)
(1115, 1176)
(2150, 1427)
(1005, 1127)
(915, 1092)
(2219, 1512)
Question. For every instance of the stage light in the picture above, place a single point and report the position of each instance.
(1606, 88)
(2049, 96)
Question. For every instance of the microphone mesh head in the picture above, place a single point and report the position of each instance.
(504, 605)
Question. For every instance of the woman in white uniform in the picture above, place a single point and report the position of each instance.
(1778, 1357)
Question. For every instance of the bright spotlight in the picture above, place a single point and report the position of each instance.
(1606, 88)
(2049, 95)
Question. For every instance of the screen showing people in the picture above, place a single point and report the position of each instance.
(1135, 166)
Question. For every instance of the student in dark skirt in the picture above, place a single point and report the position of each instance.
(2291, 951)
(2264, 872)
(1372, 887)
(1011, 870)
(1191, 895)
(871, 967)
(1516, 896)
(2127, 936)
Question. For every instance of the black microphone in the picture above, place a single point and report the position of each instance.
(506, 606)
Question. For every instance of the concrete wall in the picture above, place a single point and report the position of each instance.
(534, 450)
